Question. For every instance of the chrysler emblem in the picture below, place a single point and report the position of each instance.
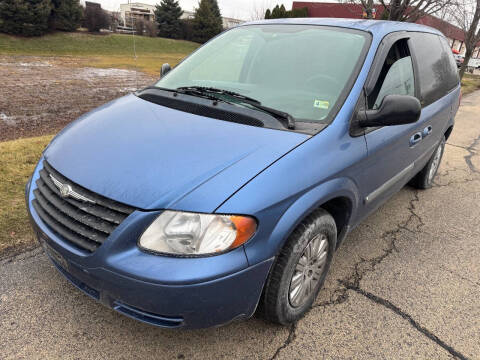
(66, 191)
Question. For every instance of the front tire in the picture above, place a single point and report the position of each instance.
(300, 269)
(424, 179)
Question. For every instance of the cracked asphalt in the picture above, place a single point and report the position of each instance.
(404, 284)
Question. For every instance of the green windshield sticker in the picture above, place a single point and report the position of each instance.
(321, 104)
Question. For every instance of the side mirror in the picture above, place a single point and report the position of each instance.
(165, 69)
(394, 110)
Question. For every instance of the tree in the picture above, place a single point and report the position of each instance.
(139, 26)
(168, 15)
(215, 9)
(276, 13)
(151, 28)
(298, 13)
(258, 9)
(66, 15)
(187, 29)
(466, 14)
(25, 17)
(206, 23)
(279, 12)
(403, 10)
(95, 18)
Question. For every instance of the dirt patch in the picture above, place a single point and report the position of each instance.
(40, 95)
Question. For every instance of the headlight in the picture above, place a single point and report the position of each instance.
(183, 233)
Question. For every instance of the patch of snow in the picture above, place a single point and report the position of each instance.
(8, 120)
(127, 89)
(91, 73)
(27, 64)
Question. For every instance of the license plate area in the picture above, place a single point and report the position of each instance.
(54, 254)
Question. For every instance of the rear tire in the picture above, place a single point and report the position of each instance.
(424, 179)
(300, 269)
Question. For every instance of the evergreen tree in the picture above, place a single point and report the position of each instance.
(206, 23)
(276, 12)
(25, 17)
(298, 13)
(279, 12)
(215, 9)
(66, 15)
(168, 15)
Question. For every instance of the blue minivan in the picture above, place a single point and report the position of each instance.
(228, 185)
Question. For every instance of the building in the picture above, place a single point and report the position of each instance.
(130, 13)
(455, 35)
(91, 4)
(230, 22)
(187, 15)
(227, 23)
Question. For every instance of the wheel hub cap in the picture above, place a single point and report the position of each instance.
(435, 163)
(308, 271)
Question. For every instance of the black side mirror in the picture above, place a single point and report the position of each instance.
(394, 110)
(165, 69)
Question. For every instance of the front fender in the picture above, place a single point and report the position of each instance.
(308, 202)
(278, 222)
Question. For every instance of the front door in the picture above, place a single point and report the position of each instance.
(392, 150)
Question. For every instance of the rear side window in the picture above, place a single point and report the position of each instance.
(437, 72)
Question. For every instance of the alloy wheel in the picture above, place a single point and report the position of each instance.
(435, 163)
(308, 271)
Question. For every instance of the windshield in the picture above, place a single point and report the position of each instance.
(301, 70)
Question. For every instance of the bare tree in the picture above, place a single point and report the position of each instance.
(368, 8)
(403, 10)
(466, 13)
(139, 26)
(258, 10)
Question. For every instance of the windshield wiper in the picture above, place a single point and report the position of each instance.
(220, 92)
(288, 119)
(190, 91)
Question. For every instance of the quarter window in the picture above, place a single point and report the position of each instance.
(436, 69)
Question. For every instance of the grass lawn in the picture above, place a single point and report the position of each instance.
(470, 83)
(112, 50)
(18, 159)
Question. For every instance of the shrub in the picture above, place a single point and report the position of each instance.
(25, 17)
(139, 27)
(187, 32)
(95, 18)
(151, 28)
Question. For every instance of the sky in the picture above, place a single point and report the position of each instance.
(240, 9)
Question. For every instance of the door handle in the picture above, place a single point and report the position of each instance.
(427, 131)
(416, 138)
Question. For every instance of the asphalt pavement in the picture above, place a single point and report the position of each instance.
(404, 285)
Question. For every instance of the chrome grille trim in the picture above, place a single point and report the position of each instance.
(79, 216)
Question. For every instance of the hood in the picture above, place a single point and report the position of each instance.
(152, 157)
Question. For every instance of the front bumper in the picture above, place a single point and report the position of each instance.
(159, 290)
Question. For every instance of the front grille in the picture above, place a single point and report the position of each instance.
(83, 218)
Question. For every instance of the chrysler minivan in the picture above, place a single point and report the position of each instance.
(227, 186)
